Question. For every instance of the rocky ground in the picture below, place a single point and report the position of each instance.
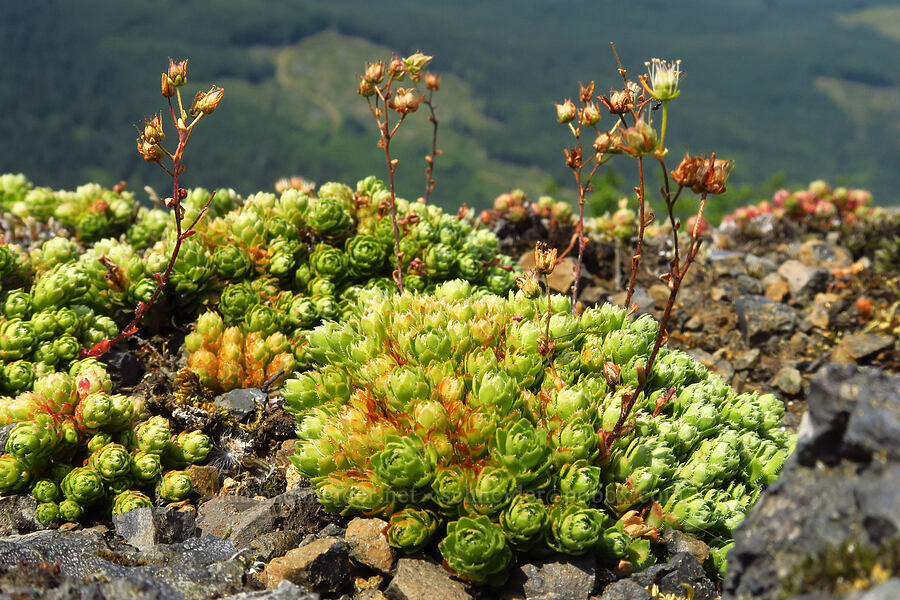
(770, 314)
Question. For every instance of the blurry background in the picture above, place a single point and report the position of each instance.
(793, 90)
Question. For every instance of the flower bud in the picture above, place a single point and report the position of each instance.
(639, 140)
(566, 112)
(416, 62)
(177, 74)
(397, 69)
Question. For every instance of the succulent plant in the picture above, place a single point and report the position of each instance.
(77, 447)
(415, 403)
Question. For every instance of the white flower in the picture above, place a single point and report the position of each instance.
(663, 79)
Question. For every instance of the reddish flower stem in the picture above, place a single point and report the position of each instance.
(103, 346)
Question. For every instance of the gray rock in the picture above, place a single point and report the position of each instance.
(672, 577)
(166, 572)
(625, 589)
(322, 566)
(242, 402)
(418, 579)
(749, 285)
(242, 520)
(143, 528)
(678, 541)
(803, 280)
(198, 551)
(274, 544)
(815, 253)
(759, 266)
(788, 380)
(17, 514)
(841, 486)
(727, 263)
(746, 360)
(760, 318)
(641, 297)
(285, 591)
(889, 590)
(4, 434)
(570, 577)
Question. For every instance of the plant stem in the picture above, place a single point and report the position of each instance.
(636, 258)
(429, 160)
(184, 134)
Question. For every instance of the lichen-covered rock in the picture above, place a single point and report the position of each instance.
(840, 490)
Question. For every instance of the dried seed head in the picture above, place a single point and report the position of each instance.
(432, 81)
(566, 112)
(374, 72)
(529, 283)
(544, 258)
(166, 88)
(177, 74)
(405, 101)
(585, 93)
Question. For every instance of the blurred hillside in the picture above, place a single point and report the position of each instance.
(792, 90)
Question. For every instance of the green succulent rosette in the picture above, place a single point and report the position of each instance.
(232, 262)
(411, 529)
(236, 301)
(575, 528)
(18, 376)
(129, 500)
(17, 338)
(490, 491)
(15, 474)
(328, 262)
(70, 511)
(366, 255)
(34, 441)
(188, 448)
(83, 485)
(580, 481)
(524, 522)
(17, 304)
(476, 548)
(449, 488)
(405, 462)
(174, 486)
(327, 216)
(45, 490)
(111, 461)
(47, 513)
(523, 450)
(145, 466)
(96, 410)
(153, 435)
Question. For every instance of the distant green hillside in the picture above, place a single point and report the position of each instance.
(803, 89)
